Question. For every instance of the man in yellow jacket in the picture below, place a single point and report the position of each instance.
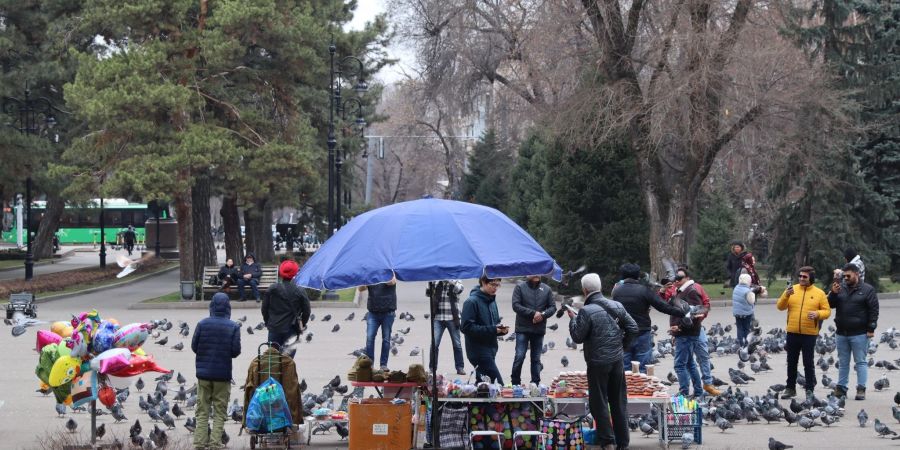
(807, 307)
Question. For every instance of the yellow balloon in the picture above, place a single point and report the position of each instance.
(113, 321)
(67, 331)
(58, 327)
(64, 370)
(139, 351)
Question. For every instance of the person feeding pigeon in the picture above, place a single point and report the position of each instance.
(605, 328)
(283, 304)
(533, 303)
(807, 307)
(216, 341)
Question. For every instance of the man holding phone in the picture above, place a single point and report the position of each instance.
(855, 317)
(807, 308)
(480, 323)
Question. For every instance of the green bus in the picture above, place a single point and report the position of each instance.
(80, 224)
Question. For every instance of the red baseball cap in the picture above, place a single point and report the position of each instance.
(288, 270)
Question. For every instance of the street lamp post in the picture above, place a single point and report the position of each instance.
(102, 235)
(29, 109)
(337, 107)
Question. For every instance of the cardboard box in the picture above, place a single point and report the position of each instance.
(377, 424)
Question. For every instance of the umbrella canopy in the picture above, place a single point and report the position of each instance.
(425, 240)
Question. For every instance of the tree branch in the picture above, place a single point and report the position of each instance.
(634, 18)
(729, 39)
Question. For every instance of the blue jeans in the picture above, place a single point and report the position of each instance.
(743, 324)
(385, 321)
(450, 326)
(253, 282)
(486, 366)
(857, 346)
(686, 347)
(641, 350)
(527, 342)
(703, 358)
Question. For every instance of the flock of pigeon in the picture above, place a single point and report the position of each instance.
(737, 404)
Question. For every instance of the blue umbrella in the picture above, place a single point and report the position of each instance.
(425, 240)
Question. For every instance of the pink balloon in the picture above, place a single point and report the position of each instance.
(45, 337)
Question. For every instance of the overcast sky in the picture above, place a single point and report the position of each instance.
(366, 10)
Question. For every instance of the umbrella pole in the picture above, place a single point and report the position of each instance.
(434, 393)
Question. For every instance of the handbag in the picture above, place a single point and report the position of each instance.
(563, 435)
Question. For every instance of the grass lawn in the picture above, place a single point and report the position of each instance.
(10, 263)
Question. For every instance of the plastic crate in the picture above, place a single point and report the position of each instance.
(679, 423)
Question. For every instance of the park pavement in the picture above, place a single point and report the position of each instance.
(26, 416)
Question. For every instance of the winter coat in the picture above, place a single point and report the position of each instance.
(282, 304)
(527, 300)
(802, 302)
(253, 269)
(382, 298)
(129, 236)
(216, 341)
(689, 294)
(855, 309)
(479, 324)
(733, 265)
(637, 299)
(229, 272)
(285, 372)
(604, 330)
(740, 306)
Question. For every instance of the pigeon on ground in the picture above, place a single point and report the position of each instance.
(351, 316)
(309, 337)
(135, 428)
(863, 417)
(564, 361)
(415, 352)
(139, 384)
(249, 329)
(687, 439)
(176, 410)
(60, 409)
(806, 423)
(723, 424)
(101, 431)
(880, 428)
(179, 346)
(342, 430)
(163, 341)
(778, 445)
(554, 327)
(336, 328)
(191, 424)
(71, 425)
(646, 429)
(326, 318)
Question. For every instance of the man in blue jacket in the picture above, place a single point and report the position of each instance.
(481, 326)
(216, 341)
(251, 272)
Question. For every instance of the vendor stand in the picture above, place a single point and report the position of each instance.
(505, 415)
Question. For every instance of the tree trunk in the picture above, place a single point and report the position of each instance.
(231, 221)
(43, 242)
(258, 224)
(204, 248)
(183, 209)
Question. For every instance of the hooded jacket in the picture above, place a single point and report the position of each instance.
(637, 299)
(800, 304)
(253, 269)
(479, 324)
(526, 301)
(605, 329)
(216, 340)
(282, 304)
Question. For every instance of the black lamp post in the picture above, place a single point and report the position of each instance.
(102, 235)
(28, 110)
(336, 107)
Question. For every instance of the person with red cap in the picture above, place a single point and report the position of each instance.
(283, 303)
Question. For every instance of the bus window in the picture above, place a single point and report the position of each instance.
(88, 218)
(113, 219)
(69, 219)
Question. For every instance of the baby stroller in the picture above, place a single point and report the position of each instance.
(267, 416)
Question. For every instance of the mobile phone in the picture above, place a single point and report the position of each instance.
(789, 284)
(570, 308)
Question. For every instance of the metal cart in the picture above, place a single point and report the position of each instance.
(269, 366)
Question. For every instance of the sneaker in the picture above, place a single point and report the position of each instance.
(789, 393)
(860, 393)
(385, 369)
(839, 391)
(711, 390)
(461, 371)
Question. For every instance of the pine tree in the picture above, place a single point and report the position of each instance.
(714, 232)
(486, 182)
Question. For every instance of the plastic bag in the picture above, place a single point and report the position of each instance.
(268, 410)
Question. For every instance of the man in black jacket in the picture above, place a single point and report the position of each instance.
(283, 304)
(637, 299)
(444, 297)
(382, 305)
(216, 341)
(251, 272)
(856, 317)
(532, 302)
(480, 323)
(605, 328)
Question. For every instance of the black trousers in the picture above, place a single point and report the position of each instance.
(795, 345)
(607, 399)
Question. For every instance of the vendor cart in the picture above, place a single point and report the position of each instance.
(268, 367)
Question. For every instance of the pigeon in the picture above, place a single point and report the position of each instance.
(60, 409)
(185, 331)
(415, 352)
(117, 414)
(336, 328)
(882, 383)
(135, 428)
(828, 420)
(351, 316)
(313, 317)
(165, 377)
(335, 382)
(646, 429)
(687, 439)
(895, 410)
(897, 398)
(139, 384)
(191, 424)
(101, 430)
(863, 417)
(303, 386)
(554, 327)
(260, 326)
(326, 318)
(176, 410)
(249, 329)
(778, 445)
(404, 331)
(163, 341)
(806, 423)
(153, 415)
(309, 337)
(723, 424)
(242, 319)
(342, 430)
(180, 379)
(564, 361)
(179, 346)
(71, 425)
(880, 428)
(394, 350)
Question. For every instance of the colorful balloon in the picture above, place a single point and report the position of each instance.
(131, 336)
(107, 396)
(111, 360)
(104, 337)
(45, 337)
(139, 365)
(64, 370)
(58, 327)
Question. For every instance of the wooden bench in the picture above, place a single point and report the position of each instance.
(269, 276)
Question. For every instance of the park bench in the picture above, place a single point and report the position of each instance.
(269, 276)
